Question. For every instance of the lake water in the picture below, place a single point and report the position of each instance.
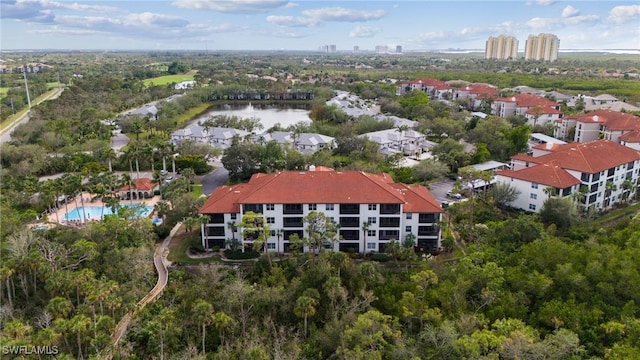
(269, 115)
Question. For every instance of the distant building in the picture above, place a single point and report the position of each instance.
(398, 49)
(382, 49)
(542, 47)
(502, 47)
(356, 48)
(332, 48)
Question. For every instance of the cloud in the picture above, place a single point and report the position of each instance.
(232, 6)
(541, 23)
(545, 2)
(624, 13)
(315, 17)
(41, 10)
(55, 31)
(25, 10)
(570, 11)
(342, 14)
(363, 32)
(575, 20)
(292, 21)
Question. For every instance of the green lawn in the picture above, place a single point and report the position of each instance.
(3, 92)
(196, 190)
(179, 245)
(169, 79)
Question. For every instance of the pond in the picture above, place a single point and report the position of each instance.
(269, 115)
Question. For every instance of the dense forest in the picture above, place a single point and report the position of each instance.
(506, 285)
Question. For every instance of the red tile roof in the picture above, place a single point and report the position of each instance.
(319, 187)
(591, 157)
(482, 91)
(631, 137)
(528, 100)
(613, 120)
(143, 184)
(550, 174)
(543, 110)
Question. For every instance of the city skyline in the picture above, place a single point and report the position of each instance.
(305, 25)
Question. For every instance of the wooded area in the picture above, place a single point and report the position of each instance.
(507, 284)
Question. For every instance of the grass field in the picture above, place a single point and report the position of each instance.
(169, 79)
(179, 245)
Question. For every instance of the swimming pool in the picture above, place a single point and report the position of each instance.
(92, 212)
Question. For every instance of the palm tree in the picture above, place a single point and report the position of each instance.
(610, 187)
(110, 155)
(188, 174)
(203, 312)
(627, 185)
(365, 230)
(231, 225)
(305, 307)
(279, 234)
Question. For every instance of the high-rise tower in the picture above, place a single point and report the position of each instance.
(502, 47)
(542, 47)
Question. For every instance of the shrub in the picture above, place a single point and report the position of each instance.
(380, 257)
(196, 248)
(162, 231)
(239, 255)
(215, 248)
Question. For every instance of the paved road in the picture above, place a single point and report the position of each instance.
(5, 134)
(214, 179)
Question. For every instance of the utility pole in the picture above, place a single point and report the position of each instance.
(26, 86)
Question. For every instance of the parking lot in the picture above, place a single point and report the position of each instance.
(440, 189)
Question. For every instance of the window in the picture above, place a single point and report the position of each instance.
(372, 220)
(272, 233)
(532, 207)
(409, 215)
(233, 216)
(271, 246)
(271, 220)
(533, 196)
(313, 207)
(373, 207)
(371, 246)
(407, 229)
(371, 233)
(270, 207)
(328, 207)
(534, 185)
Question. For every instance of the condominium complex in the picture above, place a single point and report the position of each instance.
(502, 47)
(370, 210)
(542, 47)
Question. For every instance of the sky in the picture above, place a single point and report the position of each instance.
(308, 25)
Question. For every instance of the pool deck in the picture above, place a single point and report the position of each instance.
(57, 216)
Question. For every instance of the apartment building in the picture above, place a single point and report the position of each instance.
(543, 47)
(392, 210)
(583, 171)
(436, 89)
(501, 47)
(537, 109)
(601, 124)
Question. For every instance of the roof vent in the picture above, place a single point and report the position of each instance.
(312, 168)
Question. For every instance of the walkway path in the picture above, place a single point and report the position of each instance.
(161, 263)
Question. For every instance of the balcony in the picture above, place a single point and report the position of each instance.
(427, 231)
(292, 222)
(292, 209)
(427, 218)
(349, 209)
(388, 235)
(216, 218)
(390, 209)
(387, 222)
(352, 221)
(349, 235)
